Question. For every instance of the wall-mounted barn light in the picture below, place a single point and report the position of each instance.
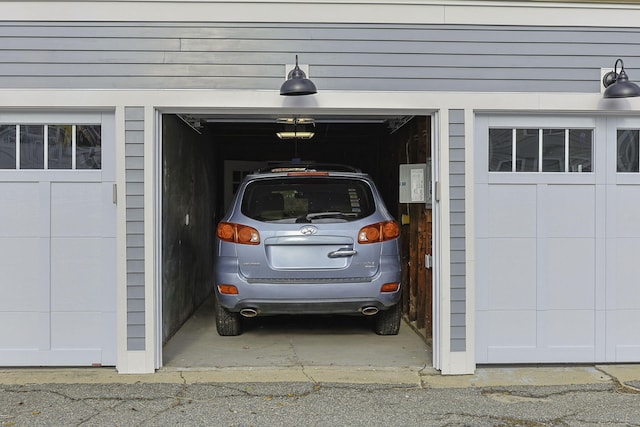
(618, 84)
(297, 83)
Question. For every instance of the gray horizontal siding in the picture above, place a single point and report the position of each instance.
(457, 222)
(134, 192)
(356, 57)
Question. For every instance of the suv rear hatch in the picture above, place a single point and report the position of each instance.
(309, 224)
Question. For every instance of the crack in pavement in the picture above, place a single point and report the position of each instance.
(621, 386)
(422, 374)
(277, 401)
(297, 361)
(541, 392)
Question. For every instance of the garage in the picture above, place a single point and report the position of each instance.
(525, 258)
(58, 239)
(557, 234)
(205, 156)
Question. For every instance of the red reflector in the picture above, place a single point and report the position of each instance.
(228, 289)
(226, 231)
(390, 287)
(390, 230)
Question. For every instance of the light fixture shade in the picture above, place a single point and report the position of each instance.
(618, 85)
(297, 83)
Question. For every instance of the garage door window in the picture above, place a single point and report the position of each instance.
(72, 146)
(627, 150)
(540, 150)
(7, 147)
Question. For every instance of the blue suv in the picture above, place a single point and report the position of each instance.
(307, 239)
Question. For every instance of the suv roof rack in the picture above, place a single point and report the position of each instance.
(308, 167)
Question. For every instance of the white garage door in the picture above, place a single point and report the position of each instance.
(57, 240)
(557, 207)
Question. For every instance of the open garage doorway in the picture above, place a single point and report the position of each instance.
(204, 158)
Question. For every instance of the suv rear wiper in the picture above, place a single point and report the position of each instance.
(316, 215)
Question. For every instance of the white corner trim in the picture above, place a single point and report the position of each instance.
(470, 309)
(134, 362)
(122, 361)
(458, 362)
(444, 291)
(150, 288)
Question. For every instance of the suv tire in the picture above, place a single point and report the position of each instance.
(228, 324)
(388, 321)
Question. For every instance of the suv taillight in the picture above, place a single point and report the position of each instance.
(238, 233)
(379, 232)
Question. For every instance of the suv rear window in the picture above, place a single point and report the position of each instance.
(310, 199)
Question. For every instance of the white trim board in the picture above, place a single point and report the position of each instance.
(330, 11)
(325, 102)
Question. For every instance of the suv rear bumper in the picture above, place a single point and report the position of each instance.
(262, 307)
(312, 297)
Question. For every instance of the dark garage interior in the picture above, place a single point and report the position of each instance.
(204, 156)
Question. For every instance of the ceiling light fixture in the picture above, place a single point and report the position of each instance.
(295, 135)
(618, 84)
(296, 120)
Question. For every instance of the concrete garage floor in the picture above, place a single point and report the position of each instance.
(293, 341)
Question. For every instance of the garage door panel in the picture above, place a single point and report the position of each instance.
(77, 209)
(23, 330)
(516, 328)
(482, 270)
(512, 338)
(72, 330)
(108, 210)
(25, 274)
(512, 354)
(512, 210)
(567, 274)
(623, 290)
(567, 210)
(108, 332)
(20, 210)
(568, 330)
(78, 276)
(625, 209)
(49, 357)
(623, 335)
(512, 274)
(482, 338)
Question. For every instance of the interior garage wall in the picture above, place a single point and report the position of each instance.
(412, 144)
(188, 199)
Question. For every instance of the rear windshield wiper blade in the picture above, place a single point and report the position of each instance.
(317, 215)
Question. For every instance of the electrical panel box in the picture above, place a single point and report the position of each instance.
(415, 183)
